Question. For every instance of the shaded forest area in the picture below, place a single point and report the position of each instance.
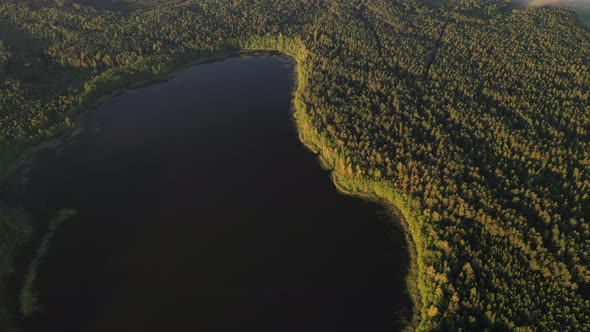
(469, 115)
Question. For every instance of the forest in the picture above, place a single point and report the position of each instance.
(470, 116)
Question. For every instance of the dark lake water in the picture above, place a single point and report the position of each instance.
(200, 210)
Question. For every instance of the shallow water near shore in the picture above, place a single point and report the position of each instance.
(199, 210)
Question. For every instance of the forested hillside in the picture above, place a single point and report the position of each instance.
(470, 116)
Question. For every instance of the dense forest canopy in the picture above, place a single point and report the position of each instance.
(471, 116)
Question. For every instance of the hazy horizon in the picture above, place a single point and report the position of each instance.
(582, 7)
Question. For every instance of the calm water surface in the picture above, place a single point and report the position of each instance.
(200, 210)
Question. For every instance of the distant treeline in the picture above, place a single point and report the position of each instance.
(472, 117)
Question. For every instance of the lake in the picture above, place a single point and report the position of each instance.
(200, 210)
(581, 7)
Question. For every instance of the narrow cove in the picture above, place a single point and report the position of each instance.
(199, 208)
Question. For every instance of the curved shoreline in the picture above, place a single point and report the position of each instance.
(412, 275)
(412, 272)
(395, 213)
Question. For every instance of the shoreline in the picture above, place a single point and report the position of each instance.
(412, 275)
(80, 115)
(395, 212)
(395, 215)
